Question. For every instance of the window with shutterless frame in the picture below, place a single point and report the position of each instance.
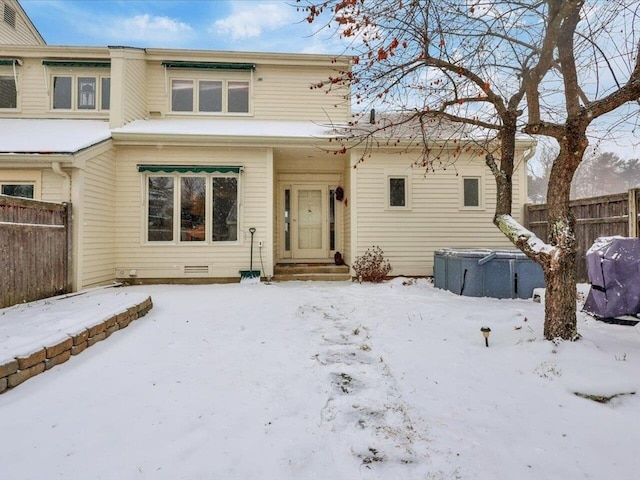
(199, 206)
(210, 88)
(471, 192)
(397, 189)
(79, 85)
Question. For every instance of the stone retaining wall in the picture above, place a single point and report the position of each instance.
(22, 368)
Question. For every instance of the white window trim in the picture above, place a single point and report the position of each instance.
(196, 79)
(74, 93)
(481, 191)
(404, 174)
(207, 242)
(23, 178)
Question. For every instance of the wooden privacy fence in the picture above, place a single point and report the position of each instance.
(604, 216)
(35, 249)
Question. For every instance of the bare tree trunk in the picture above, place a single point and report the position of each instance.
(560, 267)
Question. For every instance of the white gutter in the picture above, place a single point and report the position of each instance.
(66, 193)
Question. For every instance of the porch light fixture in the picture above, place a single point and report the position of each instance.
(486, 331)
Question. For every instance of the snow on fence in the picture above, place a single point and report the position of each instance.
(35, 246)
(603, 216)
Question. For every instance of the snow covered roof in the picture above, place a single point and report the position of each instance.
(50, 136)
(228, 128)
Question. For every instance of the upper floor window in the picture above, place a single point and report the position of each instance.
(209, 96)
(8, 92)
(398, 189)
(209, 87)
(81, 92)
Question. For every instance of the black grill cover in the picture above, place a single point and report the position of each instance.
(613, 265)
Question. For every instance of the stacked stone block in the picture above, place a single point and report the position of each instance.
(16, 371)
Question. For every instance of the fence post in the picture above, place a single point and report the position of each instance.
(633, 212)
(68, 224)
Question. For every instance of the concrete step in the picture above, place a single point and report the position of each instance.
(327, 272)
(317, 277)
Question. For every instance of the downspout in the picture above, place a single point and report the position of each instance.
(66, 192)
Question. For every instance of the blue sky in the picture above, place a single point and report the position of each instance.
(247, 25)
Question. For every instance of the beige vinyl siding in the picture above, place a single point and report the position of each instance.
(23, 33)
(346, 205)
(135, 105)
(53, 186)
(435, 218)
(169, 261)
(34, 90)
(284, 93)
(278, 92)
(95, 221)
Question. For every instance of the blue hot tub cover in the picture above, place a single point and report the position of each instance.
(613, 265)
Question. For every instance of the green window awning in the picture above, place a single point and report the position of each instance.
(76, 63)
(189, 169)
(4, 62)
(210, 65)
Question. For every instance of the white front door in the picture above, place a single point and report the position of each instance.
(309, 226)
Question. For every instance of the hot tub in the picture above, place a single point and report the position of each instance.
(479, 272)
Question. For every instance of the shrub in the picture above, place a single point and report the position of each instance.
(372, 266)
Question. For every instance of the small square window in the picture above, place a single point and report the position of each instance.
(471, 192)
(397, 192)
(8, 93)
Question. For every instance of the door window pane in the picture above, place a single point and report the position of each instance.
(62, 92)
(182, 95)
(8, 93)
(105, 86)
(18, 190)
(210, 96)
(238, 97)
(225, 209)
(287, 220)
(86, 93)
(160, 221)
(471, 192)
(397, 192)
(192, 209)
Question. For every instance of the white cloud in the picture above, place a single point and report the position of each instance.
(148, 28)
(250, 20)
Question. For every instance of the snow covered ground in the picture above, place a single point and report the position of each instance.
(328, 381)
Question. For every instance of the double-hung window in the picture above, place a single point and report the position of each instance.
(192, 207)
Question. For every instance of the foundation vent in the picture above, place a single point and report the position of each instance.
(196, 269)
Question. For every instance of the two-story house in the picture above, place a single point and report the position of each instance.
(169, 157)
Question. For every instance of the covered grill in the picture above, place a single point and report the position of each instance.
(613, 265)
